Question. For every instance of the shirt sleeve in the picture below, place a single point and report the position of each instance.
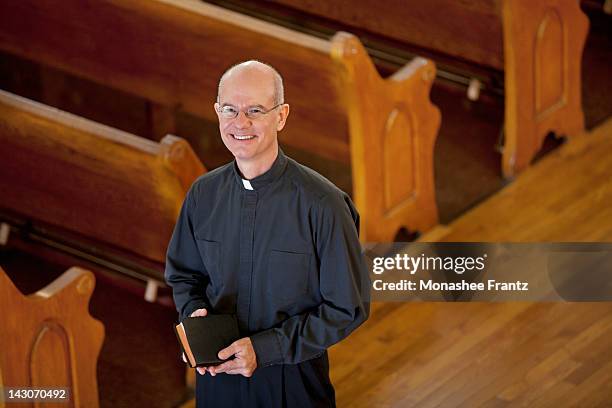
(185, 271)
(344, 286)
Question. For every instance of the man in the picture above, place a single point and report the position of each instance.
(275, 243)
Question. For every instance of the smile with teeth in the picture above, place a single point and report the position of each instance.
(243, 137)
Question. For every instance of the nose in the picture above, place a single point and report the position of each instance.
(242, 121)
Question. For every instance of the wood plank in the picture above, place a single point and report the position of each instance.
(533, 363)
(590, 352)
(501, 353)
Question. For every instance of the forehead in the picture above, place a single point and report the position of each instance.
(247, 87)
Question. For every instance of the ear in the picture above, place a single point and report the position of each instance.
(216, 108)
(283, 113)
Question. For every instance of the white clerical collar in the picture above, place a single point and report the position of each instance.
(247, 184)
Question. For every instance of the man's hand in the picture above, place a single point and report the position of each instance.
(198, 313)
(244, 362)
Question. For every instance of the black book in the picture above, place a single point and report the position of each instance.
(201, 338)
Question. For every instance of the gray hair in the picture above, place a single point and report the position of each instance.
(279, 89)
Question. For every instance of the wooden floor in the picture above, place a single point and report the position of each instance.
(567, 196)
(499, 354)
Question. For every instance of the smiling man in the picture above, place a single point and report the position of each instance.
(275, 243)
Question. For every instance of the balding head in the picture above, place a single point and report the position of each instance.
(251, 112)
(259, 69)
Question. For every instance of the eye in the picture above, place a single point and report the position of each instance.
(229, 111)
(254, 112)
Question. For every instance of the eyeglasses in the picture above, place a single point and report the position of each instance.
(252, 112)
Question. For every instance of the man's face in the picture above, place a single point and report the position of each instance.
(250, 139)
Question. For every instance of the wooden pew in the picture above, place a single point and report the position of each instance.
(49, 339)
(536, 44)
(106, 193)
(173, 52)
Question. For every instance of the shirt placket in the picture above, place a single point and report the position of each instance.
(247, 236)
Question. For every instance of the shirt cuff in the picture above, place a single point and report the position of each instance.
(267, 348)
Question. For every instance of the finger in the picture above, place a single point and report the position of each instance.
(201, 370)
(199, 313)
(240, 371)
(229, 351)
(228, 365)
(243, 372)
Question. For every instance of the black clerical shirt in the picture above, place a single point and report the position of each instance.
(284, 257)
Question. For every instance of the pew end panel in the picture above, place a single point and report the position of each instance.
(393, 128)
(49, 339)
(180, 159)
(543, 43)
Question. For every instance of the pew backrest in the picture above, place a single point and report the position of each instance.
(537, 44)
(173, 52)
(91, 182)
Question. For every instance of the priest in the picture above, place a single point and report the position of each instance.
(276, 244)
